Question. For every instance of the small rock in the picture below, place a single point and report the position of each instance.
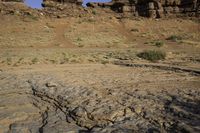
(51, 84)
(138, 109)
(80, 112)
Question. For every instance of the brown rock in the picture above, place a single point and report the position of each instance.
(151, 6)
(152, 13)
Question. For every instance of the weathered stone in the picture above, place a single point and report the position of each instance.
(127, 9)
(168, 10)
(79, 112)
(159, 13)
(152, 14)
(151, 6)
(12, 0)
(51, 84)
(176, 9)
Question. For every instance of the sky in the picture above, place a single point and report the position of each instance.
(34, 3)
(86, 1)
(37, 3)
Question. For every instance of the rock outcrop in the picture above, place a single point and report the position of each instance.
(115, 101)
(128, 8)
(152, 8)
(145, 8)
(47, 2)
(12, 0)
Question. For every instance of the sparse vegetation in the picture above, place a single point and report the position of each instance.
(9, 60)
(152, 55)
(66, 58)
(32, 17)
(90, 20)
(175, 38)
(126, 55)
(159, 43)
(135, 30)
(53, 61)
(80, 45)
(18, 62)
(94, 12)
(34, 60)
(75, 60)
(104, 62)
(78, 42)
(79, 39)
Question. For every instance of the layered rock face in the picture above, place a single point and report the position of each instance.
(129, 8)
(46, 2)
(146, 8)
(113, 100)
(153, 8)
(12, 0)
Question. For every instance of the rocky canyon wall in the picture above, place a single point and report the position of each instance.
(153, 8)
(146, 8)
(131, 8)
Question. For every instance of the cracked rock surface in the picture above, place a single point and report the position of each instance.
(98, 98)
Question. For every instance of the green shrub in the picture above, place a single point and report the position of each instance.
(34, 60)
(104, 62)
(159, 43)
(174, 38)
(9, 61)
(94, 12)
(152, 55)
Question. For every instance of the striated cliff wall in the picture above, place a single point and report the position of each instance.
(146, 8)
(130, 8)
(12, 0)
(153, 8)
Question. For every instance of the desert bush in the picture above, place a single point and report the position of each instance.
(9, 61)
(104, 62)
(34, 60)
(159, 43)
(94, 12)
(79, 39)
(152, 55)
(174, 38)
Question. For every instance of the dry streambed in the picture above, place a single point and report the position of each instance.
(98, 98)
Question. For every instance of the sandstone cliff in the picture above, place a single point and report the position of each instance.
(127, 8)
(153, 8)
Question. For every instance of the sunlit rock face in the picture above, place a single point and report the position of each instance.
(130, 8)
(145, 8)
(64, 1)
(12, 0)
(53, 3)
(152, 8)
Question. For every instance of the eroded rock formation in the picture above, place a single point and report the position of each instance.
(12, 0)
(146, 8)
(128, 8)
(152, 8)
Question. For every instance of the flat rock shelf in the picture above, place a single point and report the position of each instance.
(98, 98)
